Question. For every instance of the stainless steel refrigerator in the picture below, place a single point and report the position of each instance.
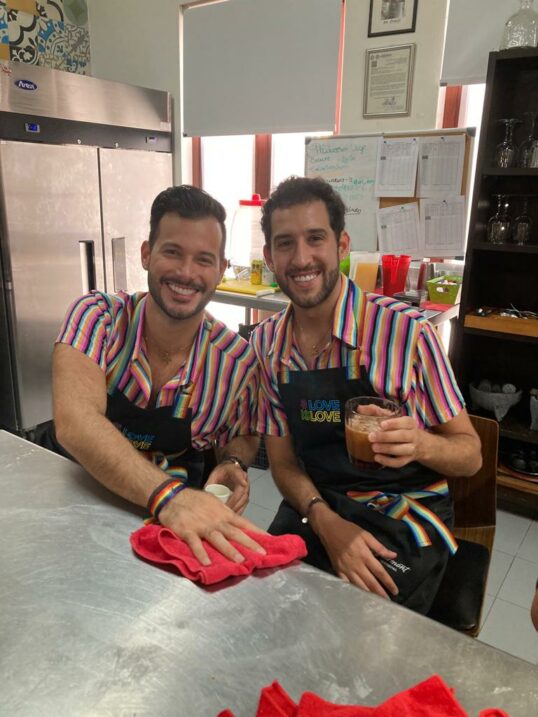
(81, 160)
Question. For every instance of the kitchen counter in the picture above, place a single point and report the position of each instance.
(89, 629)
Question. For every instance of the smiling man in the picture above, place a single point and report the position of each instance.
(143, 383)
(384, 528)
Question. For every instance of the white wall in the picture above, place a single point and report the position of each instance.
(137, 42)
(429, 40)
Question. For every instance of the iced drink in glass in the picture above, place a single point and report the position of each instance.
(363, 416)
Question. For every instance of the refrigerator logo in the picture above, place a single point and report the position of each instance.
(25, 85)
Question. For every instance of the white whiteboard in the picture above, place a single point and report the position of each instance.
(349, 165)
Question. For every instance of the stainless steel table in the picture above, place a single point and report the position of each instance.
(87, 629)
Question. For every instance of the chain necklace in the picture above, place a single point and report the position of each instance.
(318, 347)
(164, 355)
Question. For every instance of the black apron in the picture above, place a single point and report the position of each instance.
(314, 404)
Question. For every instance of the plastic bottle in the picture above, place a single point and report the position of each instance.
(246, 236)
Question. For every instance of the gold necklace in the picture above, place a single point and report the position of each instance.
(164, 355)
(315, 349)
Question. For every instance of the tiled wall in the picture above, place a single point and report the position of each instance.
(50, 33)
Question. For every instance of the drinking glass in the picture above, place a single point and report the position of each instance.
(521, 232)
(505, 152)
(499, 224)
(363, 415)
(525, 150)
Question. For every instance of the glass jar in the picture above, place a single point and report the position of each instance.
(521, 28)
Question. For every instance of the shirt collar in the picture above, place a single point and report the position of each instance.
(345, 322)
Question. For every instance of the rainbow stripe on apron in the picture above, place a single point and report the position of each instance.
(402, 506)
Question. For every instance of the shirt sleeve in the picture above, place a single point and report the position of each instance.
(87, 327)
(437, 396)
(241, 419)
(271, 416)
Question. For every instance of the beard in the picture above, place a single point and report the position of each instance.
(175, 311)
(330, 278)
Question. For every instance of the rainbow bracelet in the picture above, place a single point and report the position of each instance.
(163, 494)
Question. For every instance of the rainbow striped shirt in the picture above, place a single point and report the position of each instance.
(401, 353)
(220, 374)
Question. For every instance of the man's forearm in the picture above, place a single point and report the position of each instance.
(109, 457)
(454, 455)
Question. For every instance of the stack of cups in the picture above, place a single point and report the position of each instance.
(395, 270)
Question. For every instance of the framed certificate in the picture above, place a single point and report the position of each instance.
(392, 17)
(388, 81)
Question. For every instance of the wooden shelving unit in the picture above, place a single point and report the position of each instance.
(502, 349)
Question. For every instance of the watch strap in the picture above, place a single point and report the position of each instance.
(311, 503)
(236, 461)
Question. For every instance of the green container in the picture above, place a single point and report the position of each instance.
(442, 293)
(344, 266)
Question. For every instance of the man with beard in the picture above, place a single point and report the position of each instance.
(382, 527)
(143, 383)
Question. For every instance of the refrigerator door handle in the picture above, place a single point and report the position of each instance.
(119, 263)
(87, 266)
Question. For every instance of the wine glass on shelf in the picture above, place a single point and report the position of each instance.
(521, 232)
(505, 152)
(524, 153)
(499, 224)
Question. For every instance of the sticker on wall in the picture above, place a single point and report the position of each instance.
(51, 44)
(23, 31)
(76, 12)
(51, 9)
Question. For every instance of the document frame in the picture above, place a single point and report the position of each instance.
(388, 81)
(392, 17)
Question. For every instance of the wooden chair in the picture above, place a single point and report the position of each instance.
(459, 600)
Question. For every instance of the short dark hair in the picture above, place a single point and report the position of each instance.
(187, 202)
(303, 190)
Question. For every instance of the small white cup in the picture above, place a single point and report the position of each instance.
(219, 491)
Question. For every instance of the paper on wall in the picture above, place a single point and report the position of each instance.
(440, 165)
(398, 229)
(443, 226)
(396, 171)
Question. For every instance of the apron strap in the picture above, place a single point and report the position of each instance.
(403, 507)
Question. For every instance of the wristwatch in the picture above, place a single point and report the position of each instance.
(236, 461)
(311, 503)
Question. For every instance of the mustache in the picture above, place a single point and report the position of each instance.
(183, 283)
(302, 269)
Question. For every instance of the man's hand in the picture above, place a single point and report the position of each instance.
(194, 515)
(234, 478)
(353, 553)
(398, 443)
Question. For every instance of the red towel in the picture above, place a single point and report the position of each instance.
(162, 546)
(431, 698)
(275, 702)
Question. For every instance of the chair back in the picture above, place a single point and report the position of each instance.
(475, 498)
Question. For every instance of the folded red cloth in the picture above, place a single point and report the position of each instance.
(162, 546)
(431, 698)
(275, 702)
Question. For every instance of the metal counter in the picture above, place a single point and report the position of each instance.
(278, 301)
(87, 629)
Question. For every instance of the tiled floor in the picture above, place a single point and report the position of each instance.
(512, 576)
